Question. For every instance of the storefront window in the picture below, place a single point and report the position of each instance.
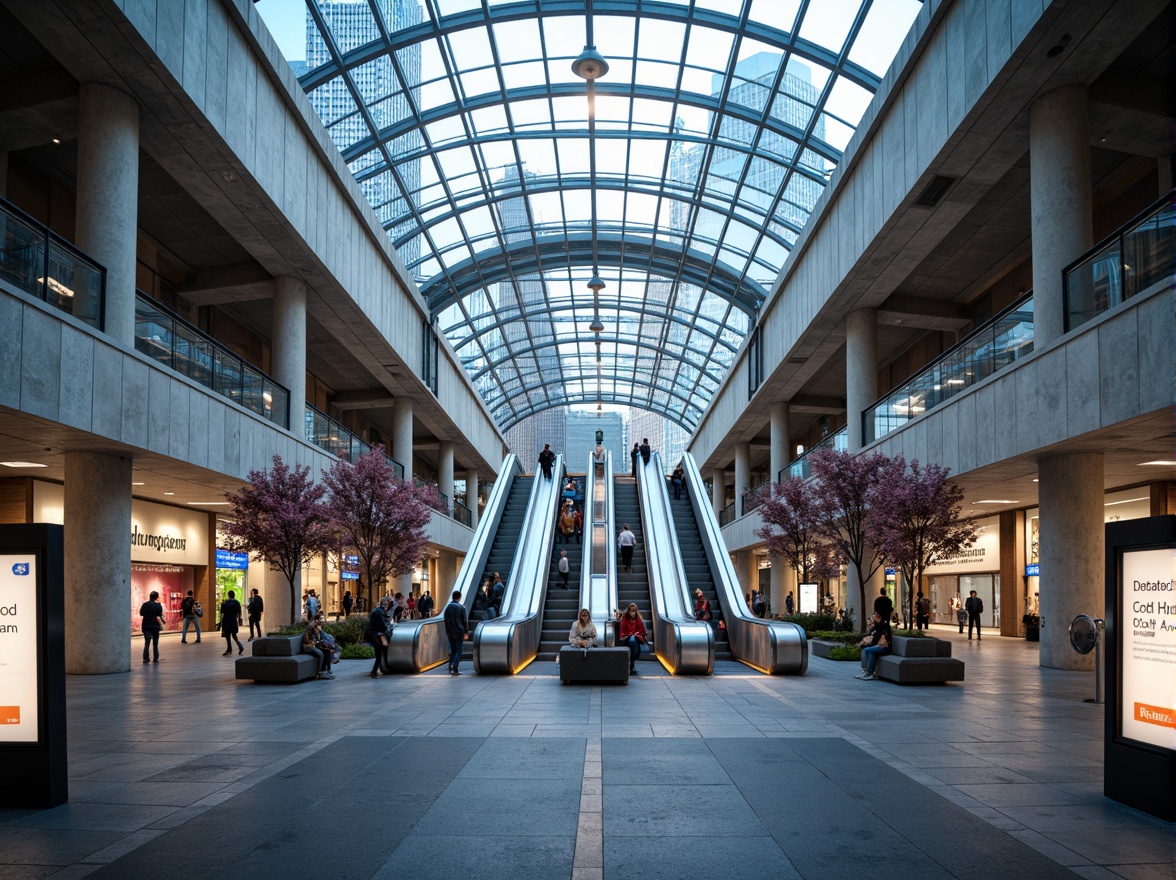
(172, 582)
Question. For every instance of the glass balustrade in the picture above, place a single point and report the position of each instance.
(39, 262)
(802, 467)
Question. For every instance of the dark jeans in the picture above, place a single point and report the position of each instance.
(627, 556)
(150, 640)
(547, 472)
(454, 654)
(563, 576)
(231, 637)
(634, 646)
(922, 622)
(324, 660)
(379, 654)
(255, 623)
(677, 484)
(190, 621)
(973, 621)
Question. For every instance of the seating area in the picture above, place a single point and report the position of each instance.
(277, 659)
(919, 661)
(593, 665)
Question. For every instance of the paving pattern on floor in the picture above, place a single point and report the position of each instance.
(179, 769)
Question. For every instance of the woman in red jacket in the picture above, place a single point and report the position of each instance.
(632, 635)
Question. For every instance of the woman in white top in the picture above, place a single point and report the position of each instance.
(583, 634)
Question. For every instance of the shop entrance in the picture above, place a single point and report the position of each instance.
(946, 587)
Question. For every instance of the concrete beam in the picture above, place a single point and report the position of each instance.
(228, 284)
(815, 404)
(921, 312)
(365, 398)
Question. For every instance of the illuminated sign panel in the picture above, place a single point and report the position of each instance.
(20, 683)
(808, 599)
(1147, 622)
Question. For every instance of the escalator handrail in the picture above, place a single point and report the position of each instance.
(774, 647)
(684, 645)
(417, 645)
(506, 644)
(598, 589)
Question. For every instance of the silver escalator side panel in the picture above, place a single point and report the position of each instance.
(598, 574)
(684, 645)
(506, 644)
(417, 645)
(774, 647)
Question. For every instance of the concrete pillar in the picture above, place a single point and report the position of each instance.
(781, 431)
(1012, 571)
(718, 489)
(97, 563)
(445, 471)
(1070, 492)
(402, 434)
(447, 569)
(783, 580)
(471, 478)
(283, 606)
(288, 337)
(108, 197)
(742, 474)
(747, 570)
(1059, 192)
(861, 370)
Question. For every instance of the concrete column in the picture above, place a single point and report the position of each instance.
(471, 478)
(1059, 192)
(447, 569)
(718, 489)
(1072, 573)
(861, 369)
(781, 432)
(108, 197)
(402, 434)
(97, 563)
(783, 580)
(445, 470)
(742, 473)
(288, 337)
(1012, 571)
(746, 570)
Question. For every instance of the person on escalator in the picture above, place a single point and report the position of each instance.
(546, 460)
(626, 541)
(701, 607)
(677, 480)
(583, 632)
(497, 594)
(632, 635)
(564, 568)
(645, 450)
(633, 453)
(567, 523)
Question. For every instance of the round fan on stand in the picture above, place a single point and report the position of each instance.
(1086, 636)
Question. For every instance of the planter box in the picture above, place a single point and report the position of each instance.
(821, 648)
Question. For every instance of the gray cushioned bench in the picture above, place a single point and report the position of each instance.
(919, 661)
(278, 658)
(593, 664)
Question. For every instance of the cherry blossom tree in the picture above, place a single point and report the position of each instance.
(384, 518)
(847, 489)
(922, 524)
(789, 514)
(279, 517)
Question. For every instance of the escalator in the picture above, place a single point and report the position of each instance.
(632, 586)
(561, 606)
(698, 571)
(502, 553)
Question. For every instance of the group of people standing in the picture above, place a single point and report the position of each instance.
(154, 620)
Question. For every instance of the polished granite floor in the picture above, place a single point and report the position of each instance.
(178, 770)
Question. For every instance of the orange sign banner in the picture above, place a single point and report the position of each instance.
(1155, 715)
(9, 714)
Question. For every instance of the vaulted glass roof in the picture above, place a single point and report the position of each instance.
(680, 178)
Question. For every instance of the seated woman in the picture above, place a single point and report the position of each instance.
(631, 634)
(583, 632)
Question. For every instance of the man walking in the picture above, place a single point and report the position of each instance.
(974, 605)
(546, 460)
(564, 568)
(626, 541)
(883, 605)
(645, 450)
(456, 630)
(425, 605)
(922, 611)
(255, 607)
(378, 628)
(188, 610)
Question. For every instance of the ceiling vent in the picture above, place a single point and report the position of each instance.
(934, 191)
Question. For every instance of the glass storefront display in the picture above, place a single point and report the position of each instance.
(172, 582)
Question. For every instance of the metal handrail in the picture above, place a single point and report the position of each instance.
(598, 573)
(684, 645)
(727, 514)
(186, 349)
(800, 467)
(755, 495)
(417, 645)
(22, 260)
(770, 646)
(462, 514)
(506, 644)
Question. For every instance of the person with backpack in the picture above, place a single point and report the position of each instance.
(152, 613)
(567, 523)
(922, 611)
(254, 608)
(191, 618)
(974, 605)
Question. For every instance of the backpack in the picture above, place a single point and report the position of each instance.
(198, 609)
(925, 606)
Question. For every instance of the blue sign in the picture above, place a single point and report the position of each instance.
(1033, 570)
(21, 569)
(351, 560)
(229, 559)
(890, 571)
(349, 575)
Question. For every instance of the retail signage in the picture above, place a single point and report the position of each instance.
(227, 559)
(983, 555)
(349, 575)
(1147, 615)
(20, 673)
(350, 570)
(889, 571)
(808, 598)
(1033, 570)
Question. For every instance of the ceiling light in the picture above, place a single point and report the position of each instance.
(596, 283)
(590, 64)
(596, 326)
(1035, 479)
(20, 464)
(996, 501)
(57, 140)
(1124, 501)
(138, 484)
(1159, 462)
(169, 493)
(206, 503)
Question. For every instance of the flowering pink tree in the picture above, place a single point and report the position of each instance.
(847, 489)
(382, 516)
(279, 517)
(789, 514)
(922, 523)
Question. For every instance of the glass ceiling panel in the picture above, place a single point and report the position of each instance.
(684, 188)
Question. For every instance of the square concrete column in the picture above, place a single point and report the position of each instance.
(718, 489)
(402, 434)
(747, 570)
(471, 478)
(1059, 192)
(780, 434)
(1070, 494)
(742, 473)
(861, 370)
(108, 197)
(288, 337)
(447, 569)
(97, 563)
(445, 471)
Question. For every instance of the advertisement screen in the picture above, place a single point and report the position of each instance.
(19, 670)
(808, 599)
(1147, 615)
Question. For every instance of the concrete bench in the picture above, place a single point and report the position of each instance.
(919, 661)
(277, 658)
(593, 664)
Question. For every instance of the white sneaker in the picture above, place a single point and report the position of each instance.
(862, 677)
(868, 677)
